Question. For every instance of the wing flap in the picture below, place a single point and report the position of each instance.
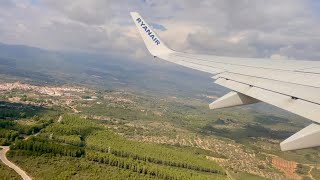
(293, 90)
(306, 138)
(232, 99)
(297, 106)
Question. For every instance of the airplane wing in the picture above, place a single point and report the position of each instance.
(290, 85)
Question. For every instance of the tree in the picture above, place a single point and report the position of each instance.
(36, 118)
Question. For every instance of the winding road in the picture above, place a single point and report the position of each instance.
(4, 159)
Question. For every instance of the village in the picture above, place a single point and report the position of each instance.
(46, 90)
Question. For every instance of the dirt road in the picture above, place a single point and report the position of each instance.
(4, 159)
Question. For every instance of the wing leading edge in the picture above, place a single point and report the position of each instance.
(290, 85)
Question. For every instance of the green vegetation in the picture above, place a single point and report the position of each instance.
(7, 173)
(143, 167)
(11, 130)
(247, 176)
(168, 107)
(12, 111)
(38, 146)
(315, 172)
(20, 120)
(302, 169)
(72, 125)
(188, 134)
(75, 140)
(165, 155)
(55, 167)
(305, 156)
(199, 151)
(92, 142)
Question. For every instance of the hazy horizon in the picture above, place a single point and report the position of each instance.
(269, 29)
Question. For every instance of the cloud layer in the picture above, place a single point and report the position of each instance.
(247, 28)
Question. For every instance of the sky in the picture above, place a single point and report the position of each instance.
(286, 29)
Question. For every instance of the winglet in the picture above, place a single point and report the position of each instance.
(155, 46)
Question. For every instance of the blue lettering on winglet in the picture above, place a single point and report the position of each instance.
(148, 31)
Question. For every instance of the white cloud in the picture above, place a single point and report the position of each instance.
(278, 57)
(6, 4)
(89, 12)
(260, 28)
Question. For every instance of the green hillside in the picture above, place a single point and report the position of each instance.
(98, 144)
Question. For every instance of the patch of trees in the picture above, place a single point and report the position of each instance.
(106, 147)
(124, 154)
(7, 136)
(144, 167)
(29, 129)
(74, 140)
(6, 124)
(10, 135)
(105, 141)
(78, 131)
(38, 146)
(9, 114)
(25, 129)
(72, 125)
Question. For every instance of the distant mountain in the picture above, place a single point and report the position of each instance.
(154, 77)
(38, 66)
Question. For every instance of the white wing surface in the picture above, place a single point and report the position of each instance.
(290, 85)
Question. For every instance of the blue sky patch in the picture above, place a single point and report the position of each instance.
(158, 26)
(34, 2)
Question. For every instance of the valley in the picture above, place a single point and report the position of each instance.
(144, 136)
(85, 116)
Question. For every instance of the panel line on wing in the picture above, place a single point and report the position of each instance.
(295, 77)
(268, 68)
(273, 80)
(233, 64)
(298, 106)
(293, 97)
